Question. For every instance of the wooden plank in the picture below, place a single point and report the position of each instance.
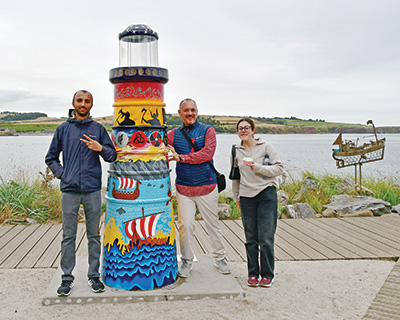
(4, 229)
(390, 220)
(301, 241)
(375, 227)
(51, 253)
(352, 244)
(329, 240)
(301, 246)
(296, 253)
(17, 241)
(237, 242)
(356, 238)
(10, 235)
(40, 247)
(368, 238)
(202, 236)
(301, 233)
(233, 244)
(19, 253)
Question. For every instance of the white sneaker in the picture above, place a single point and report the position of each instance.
(222, 266)
(185, 269)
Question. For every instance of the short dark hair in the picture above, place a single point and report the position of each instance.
(252, 125)
(187, 99)
(83, 91)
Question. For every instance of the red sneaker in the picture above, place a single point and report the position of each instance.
(264, 282)
(252, 282)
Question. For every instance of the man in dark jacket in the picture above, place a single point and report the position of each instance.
(82, 141)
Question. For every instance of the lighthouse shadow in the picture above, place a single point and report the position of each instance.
(205, 281)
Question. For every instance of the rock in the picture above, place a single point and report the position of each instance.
(283, 198)
(348, 185)
(396, 209)
(31, 220)
(318, 215)
(329, 213)
(224, 211)
(308, 184)
(351, 204)
(396, 184)
(300, 210)
(345, 186)
(362, 213)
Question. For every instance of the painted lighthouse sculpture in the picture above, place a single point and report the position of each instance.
(139, 250)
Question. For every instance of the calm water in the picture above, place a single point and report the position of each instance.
(24, 155)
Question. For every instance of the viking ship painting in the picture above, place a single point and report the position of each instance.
(144, 226)
(127, 189)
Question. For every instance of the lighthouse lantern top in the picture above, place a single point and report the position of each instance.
(138, 46)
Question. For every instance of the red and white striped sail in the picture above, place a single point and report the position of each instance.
(145, 227)
(126, 183)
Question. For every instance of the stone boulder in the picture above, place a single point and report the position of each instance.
(362, 213)
(308, 184)
(350, 204)
(283, 198)
(396, 209)
(224, 211)
(348, 185)
(300, 210)
(329, 213)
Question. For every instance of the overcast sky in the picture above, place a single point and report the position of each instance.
(337, 60)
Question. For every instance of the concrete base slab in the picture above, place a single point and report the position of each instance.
(205, 282)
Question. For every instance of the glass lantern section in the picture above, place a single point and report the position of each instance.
(138, 50)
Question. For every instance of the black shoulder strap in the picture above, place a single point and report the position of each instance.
(233, 153)
(194, 146)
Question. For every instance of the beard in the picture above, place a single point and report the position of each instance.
(82, 114)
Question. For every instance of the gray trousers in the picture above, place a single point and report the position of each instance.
(71, 202)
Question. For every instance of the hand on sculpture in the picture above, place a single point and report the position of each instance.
(174, 155)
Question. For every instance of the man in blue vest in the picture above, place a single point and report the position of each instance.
(196, 185)
(82, 141)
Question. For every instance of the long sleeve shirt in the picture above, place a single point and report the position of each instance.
(267, 168)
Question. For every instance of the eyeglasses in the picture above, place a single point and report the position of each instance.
(246, 128)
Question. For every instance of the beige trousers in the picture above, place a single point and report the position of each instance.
(208, 208)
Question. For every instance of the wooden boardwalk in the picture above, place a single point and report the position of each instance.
(38, 246)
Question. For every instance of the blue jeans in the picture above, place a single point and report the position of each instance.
(259, 218)
(70, 204)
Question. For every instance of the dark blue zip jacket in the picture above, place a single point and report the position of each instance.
(81, 168)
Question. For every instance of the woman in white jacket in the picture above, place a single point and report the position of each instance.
(255, 194)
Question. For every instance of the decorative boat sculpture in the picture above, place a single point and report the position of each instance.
(350, 153)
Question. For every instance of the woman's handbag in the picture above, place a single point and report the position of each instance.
(221, 181)
(235, 173)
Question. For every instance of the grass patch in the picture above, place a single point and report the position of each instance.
(20, 199)
(326, 187)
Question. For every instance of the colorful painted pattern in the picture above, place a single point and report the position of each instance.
(139, 237)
